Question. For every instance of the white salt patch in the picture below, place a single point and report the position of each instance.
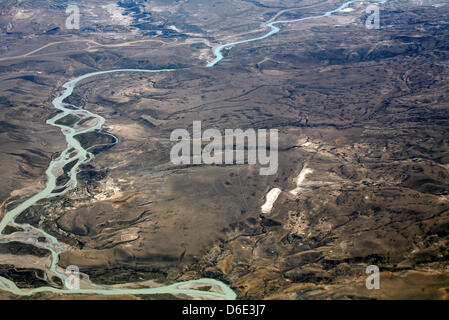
(272, 196)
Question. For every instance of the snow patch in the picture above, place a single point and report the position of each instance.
(271, 197)
(116, 14)
(299, 181)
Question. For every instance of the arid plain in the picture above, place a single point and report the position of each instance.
(362, 114)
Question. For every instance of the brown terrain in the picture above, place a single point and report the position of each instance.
(362, 113)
